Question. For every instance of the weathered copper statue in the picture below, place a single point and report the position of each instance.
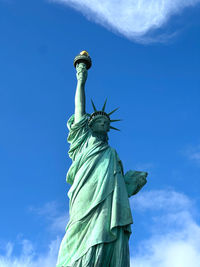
(98, 231)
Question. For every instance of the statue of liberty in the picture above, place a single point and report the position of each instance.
(98, 231)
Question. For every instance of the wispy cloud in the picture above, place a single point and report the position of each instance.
(161, 200)
(28, 256)
(131, 18)
(193, 153)
(57, 221)
(175, 234)
(172, 229)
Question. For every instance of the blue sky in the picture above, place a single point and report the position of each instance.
(146, 61)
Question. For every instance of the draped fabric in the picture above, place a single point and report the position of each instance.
(100, 214)
(113, 254)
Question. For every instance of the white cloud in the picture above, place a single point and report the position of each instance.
(193, 153)
(158, 200)
(131, 18)
(168, 221)
(59, 223)
(175, 234)
(50, 211)
(28, 256)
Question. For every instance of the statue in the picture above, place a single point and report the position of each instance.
(98, 231)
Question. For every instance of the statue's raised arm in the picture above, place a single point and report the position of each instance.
(82, 63)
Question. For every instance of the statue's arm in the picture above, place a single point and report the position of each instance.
(80, 92)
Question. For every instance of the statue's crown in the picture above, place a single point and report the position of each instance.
(101, 113)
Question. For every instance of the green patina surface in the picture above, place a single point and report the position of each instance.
(98, 231)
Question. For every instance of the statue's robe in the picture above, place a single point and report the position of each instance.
(100, 216)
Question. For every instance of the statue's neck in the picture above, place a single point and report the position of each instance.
(101, 136)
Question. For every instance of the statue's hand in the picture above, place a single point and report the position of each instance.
(142, 180)
(81, 73)
(134, 181)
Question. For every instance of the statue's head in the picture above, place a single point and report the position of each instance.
(100, 124)
(99, 121)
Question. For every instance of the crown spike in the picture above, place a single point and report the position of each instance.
(111, 127)
(103, 108)
(114, 120)
(95, 110)
(112, 111)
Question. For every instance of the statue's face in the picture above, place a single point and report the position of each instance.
(101, 125)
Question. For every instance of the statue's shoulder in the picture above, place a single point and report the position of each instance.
(83, 122)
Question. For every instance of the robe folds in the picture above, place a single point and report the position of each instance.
(100, 214)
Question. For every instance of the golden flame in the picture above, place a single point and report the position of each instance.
(85, 53)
